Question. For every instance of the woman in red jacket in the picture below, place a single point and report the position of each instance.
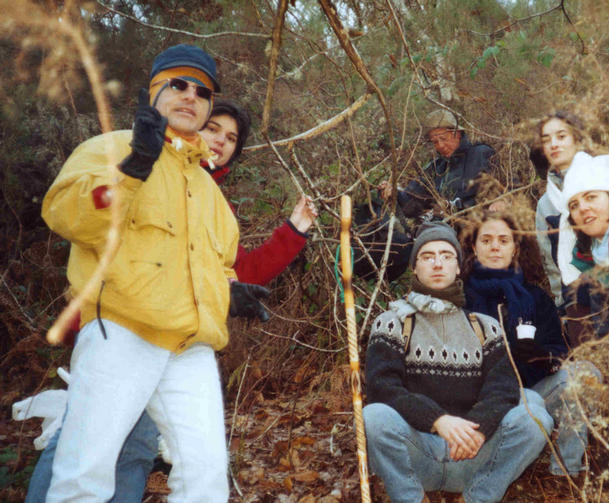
(225, 133)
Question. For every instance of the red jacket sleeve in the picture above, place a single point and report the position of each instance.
(262, 264)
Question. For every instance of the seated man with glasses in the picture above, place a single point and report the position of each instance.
(443, 410)
(150, 329)
(449, 177)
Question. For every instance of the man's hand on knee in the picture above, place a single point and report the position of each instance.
(461, 435)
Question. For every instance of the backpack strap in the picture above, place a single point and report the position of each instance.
(407, 330)
(475, 323)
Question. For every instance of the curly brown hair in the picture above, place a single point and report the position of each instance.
(527, 256)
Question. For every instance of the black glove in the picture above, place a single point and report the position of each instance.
(148, 138)
(244, 300)
(528, 351)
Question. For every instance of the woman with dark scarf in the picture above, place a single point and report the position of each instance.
(499, 272)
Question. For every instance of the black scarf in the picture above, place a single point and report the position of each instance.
(487, 287)
(453, 293)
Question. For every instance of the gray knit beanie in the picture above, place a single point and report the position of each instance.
(434, 231)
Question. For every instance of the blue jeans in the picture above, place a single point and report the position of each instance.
(411, 462)
(132, 469)
(572, 439)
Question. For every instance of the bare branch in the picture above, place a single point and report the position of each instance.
(183, 32)
(277, 31)
(356, 60)
(320, 128)
(564, 11)
(518, 21)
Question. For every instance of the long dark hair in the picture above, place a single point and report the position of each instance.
(527, 256)
(242, 118)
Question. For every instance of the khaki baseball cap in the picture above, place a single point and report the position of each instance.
(439, 119)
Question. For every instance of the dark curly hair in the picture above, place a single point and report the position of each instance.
(242, 118)
(527, 256)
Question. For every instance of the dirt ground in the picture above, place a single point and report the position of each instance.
(300, 449)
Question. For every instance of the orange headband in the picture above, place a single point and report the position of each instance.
(178, 71)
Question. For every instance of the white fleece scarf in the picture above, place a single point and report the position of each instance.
(418, 302)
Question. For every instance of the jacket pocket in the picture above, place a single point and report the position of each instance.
(147, 254)
(152, 213)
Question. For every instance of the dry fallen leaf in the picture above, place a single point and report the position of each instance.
(252, 476)
(308, 476)
(309, 498)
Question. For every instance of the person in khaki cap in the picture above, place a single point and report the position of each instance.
(457, 163)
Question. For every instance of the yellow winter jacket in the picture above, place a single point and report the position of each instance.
(168, 280)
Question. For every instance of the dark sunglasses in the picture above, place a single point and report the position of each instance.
(181, 85)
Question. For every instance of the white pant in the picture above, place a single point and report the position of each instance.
(113, 380)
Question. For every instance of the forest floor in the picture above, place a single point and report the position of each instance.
(298, 449)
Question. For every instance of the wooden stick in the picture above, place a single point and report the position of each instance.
(356, 386)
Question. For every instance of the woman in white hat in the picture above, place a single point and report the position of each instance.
(584, 231)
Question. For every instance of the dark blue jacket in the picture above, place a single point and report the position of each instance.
(548, 334)
(451, 178)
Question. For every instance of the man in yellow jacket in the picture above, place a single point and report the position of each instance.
(150, 329)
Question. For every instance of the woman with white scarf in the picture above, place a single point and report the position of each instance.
(560, 136)
(583, 247)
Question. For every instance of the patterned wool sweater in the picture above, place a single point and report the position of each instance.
(445, 369)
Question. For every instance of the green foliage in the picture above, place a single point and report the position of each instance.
(546, 56)
(9, 477)
(481, 63)
(263, 207)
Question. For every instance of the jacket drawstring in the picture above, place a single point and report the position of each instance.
(98, 310)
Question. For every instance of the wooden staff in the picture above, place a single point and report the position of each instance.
(356, 386)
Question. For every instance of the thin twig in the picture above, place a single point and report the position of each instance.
(303, 344)
(525, 402)
(182, 32)
(25, 315)
(232, 428)
(517, 21)
(456, 215)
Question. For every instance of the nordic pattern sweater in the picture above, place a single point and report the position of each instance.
(444, 371)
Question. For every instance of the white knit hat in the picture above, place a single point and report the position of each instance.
(586, 173)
